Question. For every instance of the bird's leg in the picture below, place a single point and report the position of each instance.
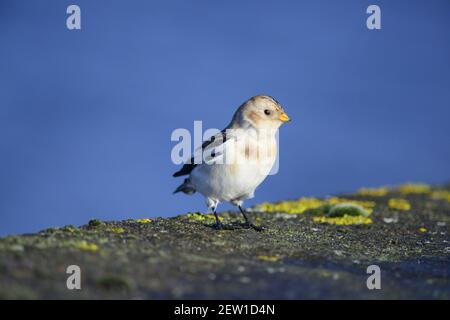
(212, 204)
(218, 225)
(248, 223)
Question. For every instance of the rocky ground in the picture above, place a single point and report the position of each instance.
(305, 252)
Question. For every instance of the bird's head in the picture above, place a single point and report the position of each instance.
(260, 112)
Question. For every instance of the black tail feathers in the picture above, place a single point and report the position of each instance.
(186, 187)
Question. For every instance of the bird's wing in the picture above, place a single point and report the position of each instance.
(212, 146)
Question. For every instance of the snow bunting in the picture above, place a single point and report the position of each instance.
(236, 161)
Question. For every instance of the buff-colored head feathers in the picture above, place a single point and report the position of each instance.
(260, 112)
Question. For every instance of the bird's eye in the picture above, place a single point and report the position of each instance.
(267, 112)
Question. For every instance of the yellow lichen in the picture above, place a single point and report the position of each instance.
(86, 246)
(143, 220)
(423, 229)
(269, 258)
(202, 217)
(441, 195)
(294, 207)
(373, 192)
(303, 204)
(414, 188)
(399, 204)
(116, 230)
(345, 220)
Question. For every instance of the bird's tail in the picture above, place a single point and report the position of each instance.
(186, 187)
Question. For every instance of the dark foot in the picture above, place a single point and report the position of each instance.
(249, 225)
(218, 226)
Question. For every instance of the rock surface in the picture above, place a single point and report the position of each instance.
(298, 256)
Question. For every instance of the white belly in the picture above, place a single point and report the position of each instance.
(234, 181)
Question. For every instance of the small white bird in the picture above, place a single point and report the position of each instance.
(238, 159)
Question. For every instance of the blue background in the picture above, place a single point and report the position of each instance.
(86, 116)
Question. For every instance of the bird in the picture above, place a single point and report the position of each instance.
(235, 161)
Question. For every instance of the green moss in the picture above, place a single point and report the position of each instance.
(341, 214)
(95, 223)
(18, 293)
(70, 228)
(347, 209)
(113, 283)
(322, 210)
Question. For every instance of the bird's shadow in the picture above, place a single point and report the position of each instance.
(232, 226)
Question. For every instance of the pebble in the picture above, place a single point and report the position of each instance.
(391, 220)
(17, 248)
(245, 280)
(285, 216)
(271, 270)
(212, 276)
(241, 268)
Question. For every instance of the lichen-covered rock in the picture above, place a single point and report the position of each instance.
(304, 252)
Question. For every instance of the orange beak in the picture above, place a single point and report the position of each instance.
(284, 117)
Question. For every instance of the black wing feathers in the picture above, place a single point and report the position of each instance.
(190, 165)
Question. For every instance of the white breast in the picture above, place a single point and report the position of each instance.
(239, 169)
